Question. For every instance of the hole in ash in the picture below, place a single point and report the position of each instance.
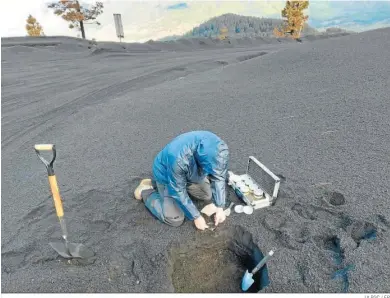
(337, 199)
(216, 263)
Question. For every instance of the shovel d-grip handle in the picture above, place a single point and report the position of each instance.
(52, 177)
(47, 147)
(44, 147)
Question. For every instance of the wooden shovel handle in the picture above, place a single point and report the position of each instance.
(56, 196)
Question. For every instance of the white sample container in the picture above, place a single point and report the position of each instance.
(258, 193)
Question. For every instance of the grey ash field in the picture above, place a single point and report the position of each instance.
(315, 112)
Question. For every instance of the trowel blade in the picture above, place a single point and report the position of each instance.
(247, 281)
(74, 250)
(227, 212)
(78, 250)
(60, 247)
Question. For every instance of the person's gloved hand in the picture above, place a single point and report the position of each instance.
(200, 223)
(220, 216)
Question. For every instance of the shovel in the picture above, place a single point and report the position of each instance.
(67, 250)
(247, 280)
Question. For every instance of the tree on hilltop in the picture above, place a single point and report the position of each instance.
(77, 15)
(294, 19)
(223, 33)
(33, 28)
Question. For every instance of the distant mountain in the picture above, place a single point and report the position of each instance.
(171, 37)
(238, 26)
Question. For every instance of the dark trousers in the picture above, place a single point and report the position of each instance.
(165, 208)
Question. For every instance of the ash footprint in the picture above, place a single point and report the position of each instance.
(344, 221)
(275, 222)
(250, 56)
(88, 206)
(313, 212)
(361, 231)
(291, 238)
(314, 268)
(223, 63)
(331, 198)
(303, 272)
(381, 221)
(12, 260)
(304, 211)
(331, 244)
(341, 270)
(44, 210)
(334, 198)
(26, 255)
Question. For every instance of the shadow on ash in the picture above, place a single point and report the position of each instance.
(215, 262)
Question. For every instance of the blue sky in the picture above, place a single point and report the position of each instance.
(144, 20)
(354, 15)
(181, 5)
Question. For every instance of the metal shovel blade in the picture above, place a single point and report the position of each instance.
(78, 250)
(61, 248)
(74, 250)
(247, 281)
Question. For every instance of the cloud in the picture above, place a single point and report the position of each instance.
(178, 6)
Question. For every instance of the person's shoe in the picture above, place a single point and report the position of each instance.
(144, 184)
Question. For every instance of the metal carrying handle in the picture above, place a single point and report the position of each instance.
(46, 147)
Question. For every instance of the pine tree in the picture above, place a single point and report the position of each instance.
(33, 28)
(294, 19)
(77, 15)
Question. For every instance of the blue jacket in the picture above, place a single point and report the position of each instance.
(189, 158)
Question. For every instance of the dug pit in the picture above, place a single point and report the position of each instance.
(215, 262)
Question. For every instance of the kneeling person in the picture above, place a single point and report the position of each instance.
(193, 164)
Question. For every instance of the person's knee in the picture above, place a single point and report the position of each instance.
(176, 221)
(173, 215)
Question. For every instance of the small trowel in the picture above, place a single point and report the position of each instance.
(247, 280)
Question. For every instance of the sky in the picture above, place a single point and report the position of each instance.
(144, 19)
